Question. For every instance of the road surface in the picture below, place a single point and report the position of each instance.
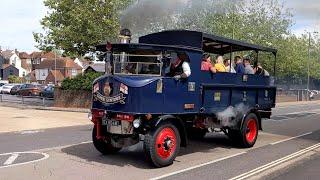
(281, 152)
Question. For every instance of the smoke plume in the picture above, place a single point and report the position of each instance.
(147, 16)
(230, 116)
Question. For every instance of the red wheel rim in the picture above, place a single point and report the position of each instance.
(252, 130)
(166, 143)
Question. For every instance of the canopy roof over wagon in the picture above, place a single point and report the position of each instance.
(199, 40)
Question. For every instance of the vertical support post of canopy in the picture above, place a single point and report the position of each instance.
(257, 57)
(274, 66)
(230, 58)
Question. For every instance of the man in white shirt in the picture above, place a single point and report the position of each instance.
(180, 69)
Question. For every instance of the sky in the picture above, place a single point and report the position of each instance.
(19, 18)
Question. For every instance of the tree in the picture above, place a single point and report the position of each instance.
(14, 79)
(76, 26)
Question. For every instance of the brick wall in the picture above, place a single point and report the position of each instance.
(72, 98)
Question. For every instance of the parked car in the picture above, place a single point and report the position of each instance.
(15, 89)
(29, 90)
(1, 86)
(7, 88)
(48, 92)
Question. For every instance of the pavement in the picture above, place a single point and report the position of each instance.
(61, 148)
(16, 119)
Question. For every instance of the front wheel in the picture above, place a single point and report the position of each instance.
(103, 146)
(162, 144)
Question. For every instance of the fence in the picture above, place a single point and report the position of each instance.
(297, 95)
(27, 100)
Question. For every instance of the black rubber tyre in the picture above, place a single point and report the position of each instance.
(162, 153)
(196, 133)
(246, 137)
(104, 147)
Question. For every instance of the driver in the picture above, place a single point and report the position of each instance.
(180, 68)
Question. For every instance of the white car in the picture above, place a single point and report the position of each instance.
(1, 86)
(7, 88)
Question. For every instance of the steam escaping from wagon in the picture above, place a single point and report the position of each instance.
(230, 116)
(149, 16)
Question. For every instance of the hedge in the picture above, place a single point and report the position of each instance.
(80, 82)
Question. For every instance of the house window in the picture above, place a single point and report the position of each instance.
(10, 72)
(73, 72)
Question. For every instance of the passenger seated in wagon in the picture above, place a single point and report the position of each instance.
(206, 64)
(219, 66)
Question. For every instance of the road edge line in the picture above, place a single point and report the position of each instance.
(288, 139)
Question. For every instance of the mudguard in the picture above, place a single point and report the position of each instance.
(177, 122)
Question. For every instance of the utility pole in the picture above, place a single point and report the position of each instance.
(308, 81)
(55, 67)
(309, 58)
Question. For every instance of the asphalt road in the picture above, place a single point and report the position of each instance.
(71, 155)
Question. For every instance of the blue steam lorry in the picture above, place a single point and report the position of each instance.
(146, 95)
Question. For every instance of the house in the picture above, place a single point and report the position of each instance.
(38, 57)
(8, 70)
(11, 57)
(66, 66)
(97, 67)
(25, 61)
(31, 77)
(82, 62)
(54, 77)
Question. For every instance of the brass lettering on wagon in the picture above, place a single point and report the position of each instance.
(109, 100)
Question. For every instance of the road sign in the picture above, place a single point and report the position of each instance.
(20, 158)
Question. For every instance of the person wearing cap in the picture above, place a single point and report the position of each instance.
(180, 69)
(206, 64)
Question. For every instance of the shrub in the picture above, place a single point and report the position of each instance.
(80, 82)
(14, 79)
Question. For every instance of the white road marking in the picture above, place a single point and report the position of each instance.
(197, 166)
(30, 131)
(45, 156)
(277, 142)
(11, 159)
(275, 163)
(61, 147)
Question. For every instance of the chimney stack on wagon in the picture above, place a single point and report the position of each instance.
(125, 36)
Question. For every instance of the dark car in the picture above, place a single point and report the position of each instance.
(15, 89)
(48, 92)
(29, 90)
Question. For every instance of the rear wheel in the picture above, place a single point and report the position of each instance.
(247, 135)
(162, 144)
(104, 146)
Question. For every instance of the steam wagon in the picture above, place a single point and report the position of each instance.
(139, 99)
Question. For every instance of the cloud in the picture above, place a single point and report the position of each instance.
(306, 15)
